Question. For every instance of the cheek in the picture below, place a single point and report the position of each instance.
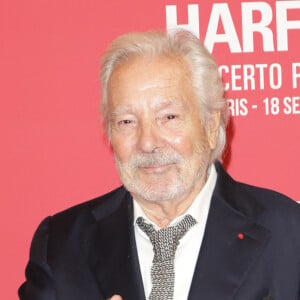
(122, 148)
(182, 142)
(191, 140)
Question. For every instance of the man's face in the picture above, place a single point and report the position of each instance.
(160, 145)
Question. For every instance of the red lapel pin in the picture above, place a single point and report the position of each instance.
(240, 236)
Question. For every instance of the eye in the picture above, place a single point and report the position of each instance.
(125, 122)
(171, 117)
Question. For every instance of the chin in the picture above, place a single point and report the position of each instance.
(156, 192)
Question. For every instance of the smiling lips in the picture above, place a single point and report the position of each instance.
(156, 168)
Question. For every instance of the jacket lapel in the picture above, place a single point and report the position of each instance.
(232, 243)
(224, 259)
(111, 250)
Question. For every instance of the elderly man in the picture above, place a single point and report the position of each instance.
(180, 227)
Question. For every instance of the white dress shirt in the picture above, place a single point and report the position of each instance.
(188, 249)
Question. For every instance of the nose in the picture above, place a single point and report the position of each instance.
(149, 137)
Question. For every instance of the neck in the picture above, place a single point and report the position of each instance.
(162, 214)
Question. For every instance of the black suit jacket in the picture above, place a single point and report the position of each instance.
(89, 252)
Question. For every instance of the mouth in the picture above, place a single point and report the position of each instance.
(156, 168)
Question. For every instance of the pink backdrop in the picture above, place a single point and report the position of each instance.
(53, 151)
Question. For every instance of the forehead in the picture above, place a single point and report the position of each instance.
(139, 77)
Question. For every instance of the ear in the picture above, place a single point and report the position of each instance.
(212, 129)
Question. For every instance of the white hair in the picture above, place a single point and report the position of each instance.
(206, 80)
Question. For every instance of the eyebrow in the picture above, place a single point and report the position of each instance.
(121, 110)
(156, 105)
(165, 104)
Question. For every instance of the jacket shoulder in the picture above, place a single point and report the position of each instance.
(252, 201)
(72, 221)
(105, 203)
